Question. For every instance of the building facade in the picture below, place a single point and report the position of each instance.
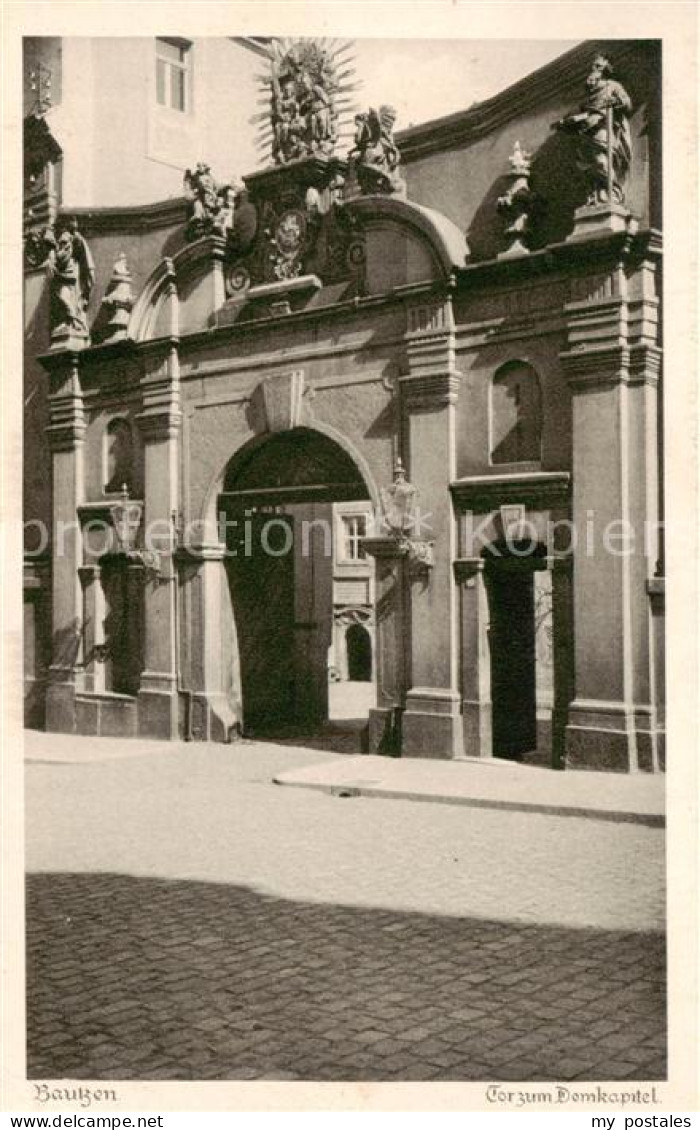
(392, 413)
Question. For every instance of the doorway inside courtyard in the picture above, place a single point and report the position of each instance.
(293, 512)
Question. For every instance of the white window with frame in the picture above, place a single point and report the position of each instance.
(353, 530)
(174, 74)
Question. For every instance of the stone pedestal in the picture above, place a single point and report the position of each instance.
(600, 219)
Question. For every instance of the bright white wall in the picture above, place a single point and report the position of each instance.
(122, 148)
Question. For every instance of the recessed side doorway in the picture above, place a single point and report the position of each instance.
(276, 518)
(510, 585)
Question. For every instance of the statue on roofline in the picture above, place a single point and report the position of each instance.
(72, 272)
(212, 206)
(374, 159)
(602, 130)
(307, 92)
(113, 317)
(288, 124)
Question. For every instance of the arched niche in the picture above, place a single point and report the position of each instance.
(118, 456)
(515, 415)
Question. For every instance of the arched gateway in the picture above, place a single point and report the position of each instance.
(276, 520)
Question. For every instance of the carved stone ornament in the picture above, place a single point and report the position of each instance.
(72, 272)
(42, 185)
(307, 91)
(516, 205)
(374, 159)
(283, 397)
(512, 517)
(602, 132)
(288, 241)
(301, 230)
(38, 246)
(117, 303)
(211, 206)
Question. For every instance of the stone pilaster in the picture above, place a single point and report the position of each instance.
(212, 691)
(475, 666)
(93, 619)
(612, 368)
(393, 658)
(432, 723)
(561, 568)
(656, 589)
(66, 436)
(160, 422)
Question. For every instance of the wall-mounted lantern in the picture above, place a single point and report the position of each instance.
(126, 517)
(401, 517)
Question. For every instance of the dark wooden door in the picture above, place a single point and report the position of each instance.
(262, 593)
(512, 644)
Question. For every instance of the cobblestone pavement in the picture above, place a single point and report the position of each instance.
(189, 920)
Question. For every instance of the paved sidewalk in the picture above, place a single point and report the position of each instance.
(189, 919)
(489, 784)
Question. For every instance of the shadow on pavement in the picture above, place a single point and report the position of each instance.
(139, 978)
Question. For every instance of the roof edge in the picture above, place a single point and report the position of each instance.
(466, 126)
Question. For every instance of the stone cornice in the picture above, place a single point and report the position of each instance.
(537, 490)
(131, 218)
(644, 364)
(600, 251)
(596, 365)
(568, 72)
(429, 390)
(160, 421)
(67, 426)
(59, 360)
(101, 511)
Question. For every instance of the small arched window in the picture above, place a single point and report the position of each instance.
(118, 456)
(516, 414)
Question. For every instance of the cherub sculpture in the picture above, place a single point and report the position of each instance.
(211, 205)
